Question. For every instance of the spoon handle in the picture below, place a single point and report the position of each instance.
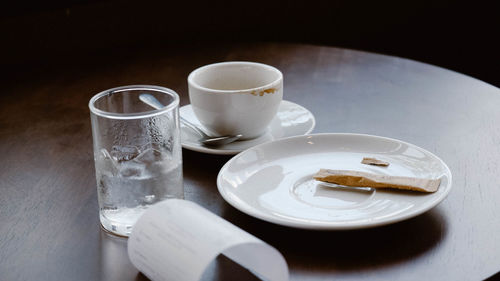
(194, 127)
(151, 101)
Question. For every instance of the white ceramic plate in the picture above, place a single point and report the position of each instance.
(291, 120)
(273, 181)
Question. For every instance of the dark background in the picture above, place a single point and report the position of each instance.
(47, 37)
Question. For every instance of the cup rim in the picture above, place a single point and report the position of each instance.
(199, 87)
(136, 115)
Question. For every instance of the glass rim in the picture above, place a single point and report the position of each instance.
(135, 115)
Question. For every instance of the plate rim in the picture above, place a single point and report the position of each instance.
(329, 225)
(236, 151)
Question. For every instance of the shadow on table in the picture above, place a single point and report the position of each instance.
(203, 163)
(200, 177)
(344, 251)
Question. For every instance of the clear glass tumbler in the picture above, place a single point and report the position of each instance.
(137, 153)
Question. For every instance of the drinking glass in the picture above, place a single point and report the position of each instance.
(137, 153)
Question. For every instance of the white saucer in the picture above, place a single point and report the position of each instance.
(273, 181)
(291, 120)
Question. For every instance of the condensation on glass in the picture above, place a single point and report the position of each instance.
(137, 153)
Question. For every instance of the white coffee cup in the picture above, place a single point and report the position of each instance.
(238, 97)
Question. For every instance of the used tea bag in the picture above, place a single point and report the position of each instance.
(364, 179)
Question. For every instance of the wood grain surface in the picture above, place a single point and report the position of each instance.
(49, 224)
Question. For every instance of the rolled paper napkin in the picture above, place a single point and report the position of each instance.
(364, 179)
(178, 239)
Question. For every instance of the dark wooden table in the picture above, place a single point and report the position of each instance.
(49, 224)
